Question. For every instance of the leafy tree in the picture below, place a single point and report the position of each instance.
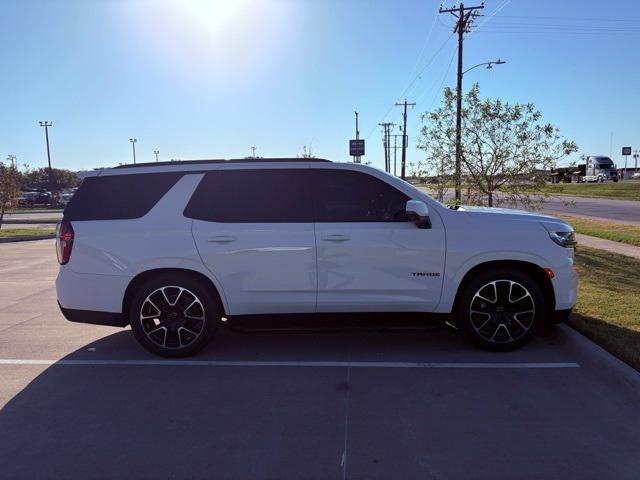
(9, 187)
(38, 179)
(507, 150)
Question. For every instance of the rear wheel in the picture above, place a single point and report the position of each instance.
(173, 315)
(501, 310)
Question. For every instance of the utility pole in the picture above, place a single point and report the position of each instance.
(635, 157)
(403, 165)
(253, 152)
(395, 155)
(46, 126)
(156, 152)
(357, 158)
(133, 144)
(385, 142)
(12, 158)
(465, 16)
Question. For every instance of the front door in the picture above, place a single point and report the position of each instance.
(370, 258)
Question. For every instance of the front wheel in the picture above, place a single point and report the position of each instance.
(501, 310)
(173, 315)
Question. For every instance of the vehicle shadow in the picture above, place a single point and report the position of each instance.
(622, 342)
(157, 421)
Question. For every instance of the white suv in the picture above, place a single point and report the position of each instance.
(172, 248)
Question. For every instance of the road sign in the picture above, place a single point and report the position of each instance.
(626, 150)
(356, 148)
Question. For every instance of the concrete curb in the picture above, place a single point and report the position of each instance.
(27, 238)
(27, 221)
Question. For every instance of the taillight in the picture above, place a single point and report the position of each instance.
(64, 241)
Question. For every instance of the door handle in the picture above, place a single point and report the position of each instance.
(222, 239)
(336, 237)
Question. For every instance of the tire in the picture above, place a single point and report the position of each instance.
(174, 315)
(501, 310)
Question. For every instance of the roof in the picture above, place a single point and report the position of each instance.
(213, 161)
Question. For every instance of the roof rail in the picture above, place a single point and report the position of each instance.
(233, 160)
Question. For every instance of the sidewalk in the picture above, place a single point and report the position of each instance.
(602, 244)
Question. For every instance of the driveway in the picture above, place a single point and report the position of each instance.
(82, 402)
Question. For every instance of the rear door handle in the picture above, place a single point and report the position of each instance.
(222, 239)
(336, 237)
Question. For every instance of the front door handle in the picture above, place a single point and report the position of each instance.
(222, 239)
(336, 237)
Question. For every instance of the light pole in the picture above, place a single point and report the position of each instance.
(133, 144)
(156, 152)
(46, 126)
(253, 152)
(458, 178)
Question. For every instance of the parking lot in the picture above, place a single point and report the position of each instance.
(82, 401)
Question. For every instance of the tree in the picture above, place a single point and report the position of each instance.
(38, 179)
(9, 187)
(507, 150)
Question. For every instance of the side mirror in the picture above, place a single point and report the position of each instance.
(418, 213)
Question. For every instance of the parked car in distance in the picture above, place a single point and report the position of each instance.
(64, 197)
(636, 176)
(184, 244)
(31, 199)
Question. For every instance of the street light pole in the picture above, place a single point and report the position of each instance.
(156, 152)
(133, 144)
(46, 126)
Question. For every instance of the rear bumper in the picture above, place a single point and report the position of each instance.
(93, 317)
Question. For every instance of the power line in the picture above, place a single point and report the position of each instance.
(411, 83)
(577, 19)
(504, 4)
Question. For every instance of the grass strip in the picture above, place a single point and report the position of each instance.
(608, 308)
(25, 232)
(618, 232)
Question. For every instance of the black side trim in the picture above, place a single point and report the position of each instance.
(560, 316)
(93, 317)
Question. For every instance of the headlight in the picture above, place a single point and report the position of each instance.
(564, 239)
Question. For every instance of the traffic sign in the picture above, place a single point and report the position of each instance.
(356, 148)
(626, 150)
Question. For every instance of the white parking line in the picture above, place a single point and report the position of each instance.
(270, 363)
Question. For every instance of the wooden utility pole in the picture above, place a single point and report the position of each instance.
(386, 126)
(403, 164)
(465, 16)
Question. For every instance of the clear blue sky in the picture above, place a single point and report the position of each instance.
(209, 79)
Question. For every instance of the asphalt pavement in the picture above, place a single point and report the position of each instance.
(622, 211)
(82, 402)
(625, 211)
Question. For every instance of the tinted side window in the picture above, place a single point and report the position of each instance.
(348, 196)
(117, 197)
(252, 196)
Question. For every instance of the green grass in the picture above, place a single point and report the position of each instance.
(608, 308)
(15, 211)
(25, 232)
(618, 232)
(627, 190)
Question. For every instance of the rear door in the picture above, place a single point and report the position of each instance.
(254, 231)
(370, 257)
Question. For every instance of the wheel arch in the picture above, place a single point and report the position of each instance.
(142, 277)
(536, 272)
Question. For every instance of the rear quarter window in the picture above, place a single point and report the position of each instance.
(119, 197)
